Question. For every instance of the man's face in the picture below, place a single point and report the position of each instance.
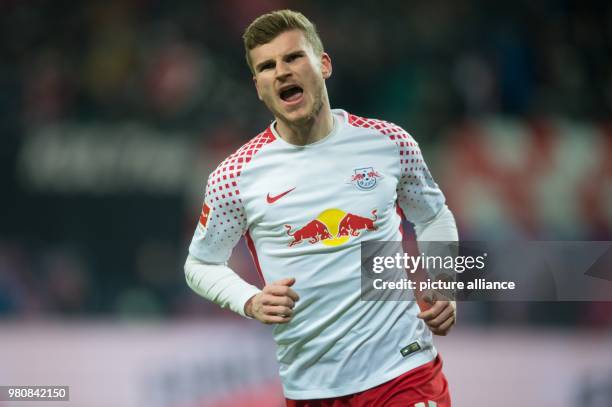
(290, 77)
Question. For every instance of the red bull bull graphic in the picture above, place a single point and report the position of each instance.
(332, 227)
(352, 224)
(314, 231)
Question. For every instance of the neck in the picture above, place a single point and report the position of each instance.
(310, 130)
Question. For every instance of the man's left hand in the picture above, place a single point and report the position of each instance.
(440, 317)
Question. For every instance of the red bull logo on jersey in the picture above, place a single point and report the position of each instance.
(365, 178)
(333, 227)
(353, 224)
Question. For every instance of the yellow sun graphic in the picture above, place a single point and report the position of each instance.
(331, 218)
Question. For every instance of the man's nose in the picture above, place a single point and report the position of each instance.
(282, 70)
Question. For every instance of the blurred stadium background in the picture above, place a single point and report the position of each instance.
(112, 114)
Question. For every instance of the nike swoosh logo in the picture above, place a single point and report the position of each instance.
(272, 199)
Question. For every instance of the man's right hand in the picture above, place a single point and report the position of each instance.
(274, 304)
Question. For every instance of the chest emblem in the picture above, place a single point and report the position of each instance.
(332, 227)
(365, 178)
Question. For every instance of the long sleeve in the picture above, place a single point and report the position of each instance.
(219, 284)
(418, 195)
(442, 228)
(223, 219)
(423, 203)
(221, 224)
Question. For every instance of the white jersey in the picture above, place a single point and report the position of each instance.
(304, 211)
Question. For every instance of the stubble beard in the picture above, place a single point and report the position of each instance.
(314, 113)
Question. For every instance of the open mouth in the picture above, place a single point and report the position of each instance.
(291, 94)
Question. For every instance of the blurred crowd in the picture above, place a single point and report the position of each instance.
(178, 68)
(423, 63)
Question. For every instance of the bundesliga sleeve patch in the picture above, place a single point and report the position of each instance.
(204, 215)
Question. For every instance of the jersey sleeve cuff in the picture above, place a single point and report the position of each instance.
(243, 297)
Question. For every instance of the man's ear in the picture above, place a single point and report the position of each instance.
(256, 88)
(326, 65)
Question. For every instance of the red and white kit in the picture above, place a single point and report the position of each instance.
(304, 211)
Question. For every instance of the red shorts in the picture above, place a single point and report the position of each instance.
(424, 386)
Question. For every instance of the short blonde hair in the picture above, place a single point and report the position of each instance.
(268, 26)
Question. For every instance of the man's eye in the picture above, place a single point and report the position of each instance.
(265, 67)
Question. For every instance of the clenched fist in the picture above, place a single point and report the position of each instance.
(274, 304)
(438, 312)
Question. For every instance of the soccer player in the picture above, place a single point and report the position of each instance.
(305, 193)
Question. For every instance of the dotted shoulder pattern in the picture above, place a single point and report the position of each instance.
(416, 184)
(227, 219)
